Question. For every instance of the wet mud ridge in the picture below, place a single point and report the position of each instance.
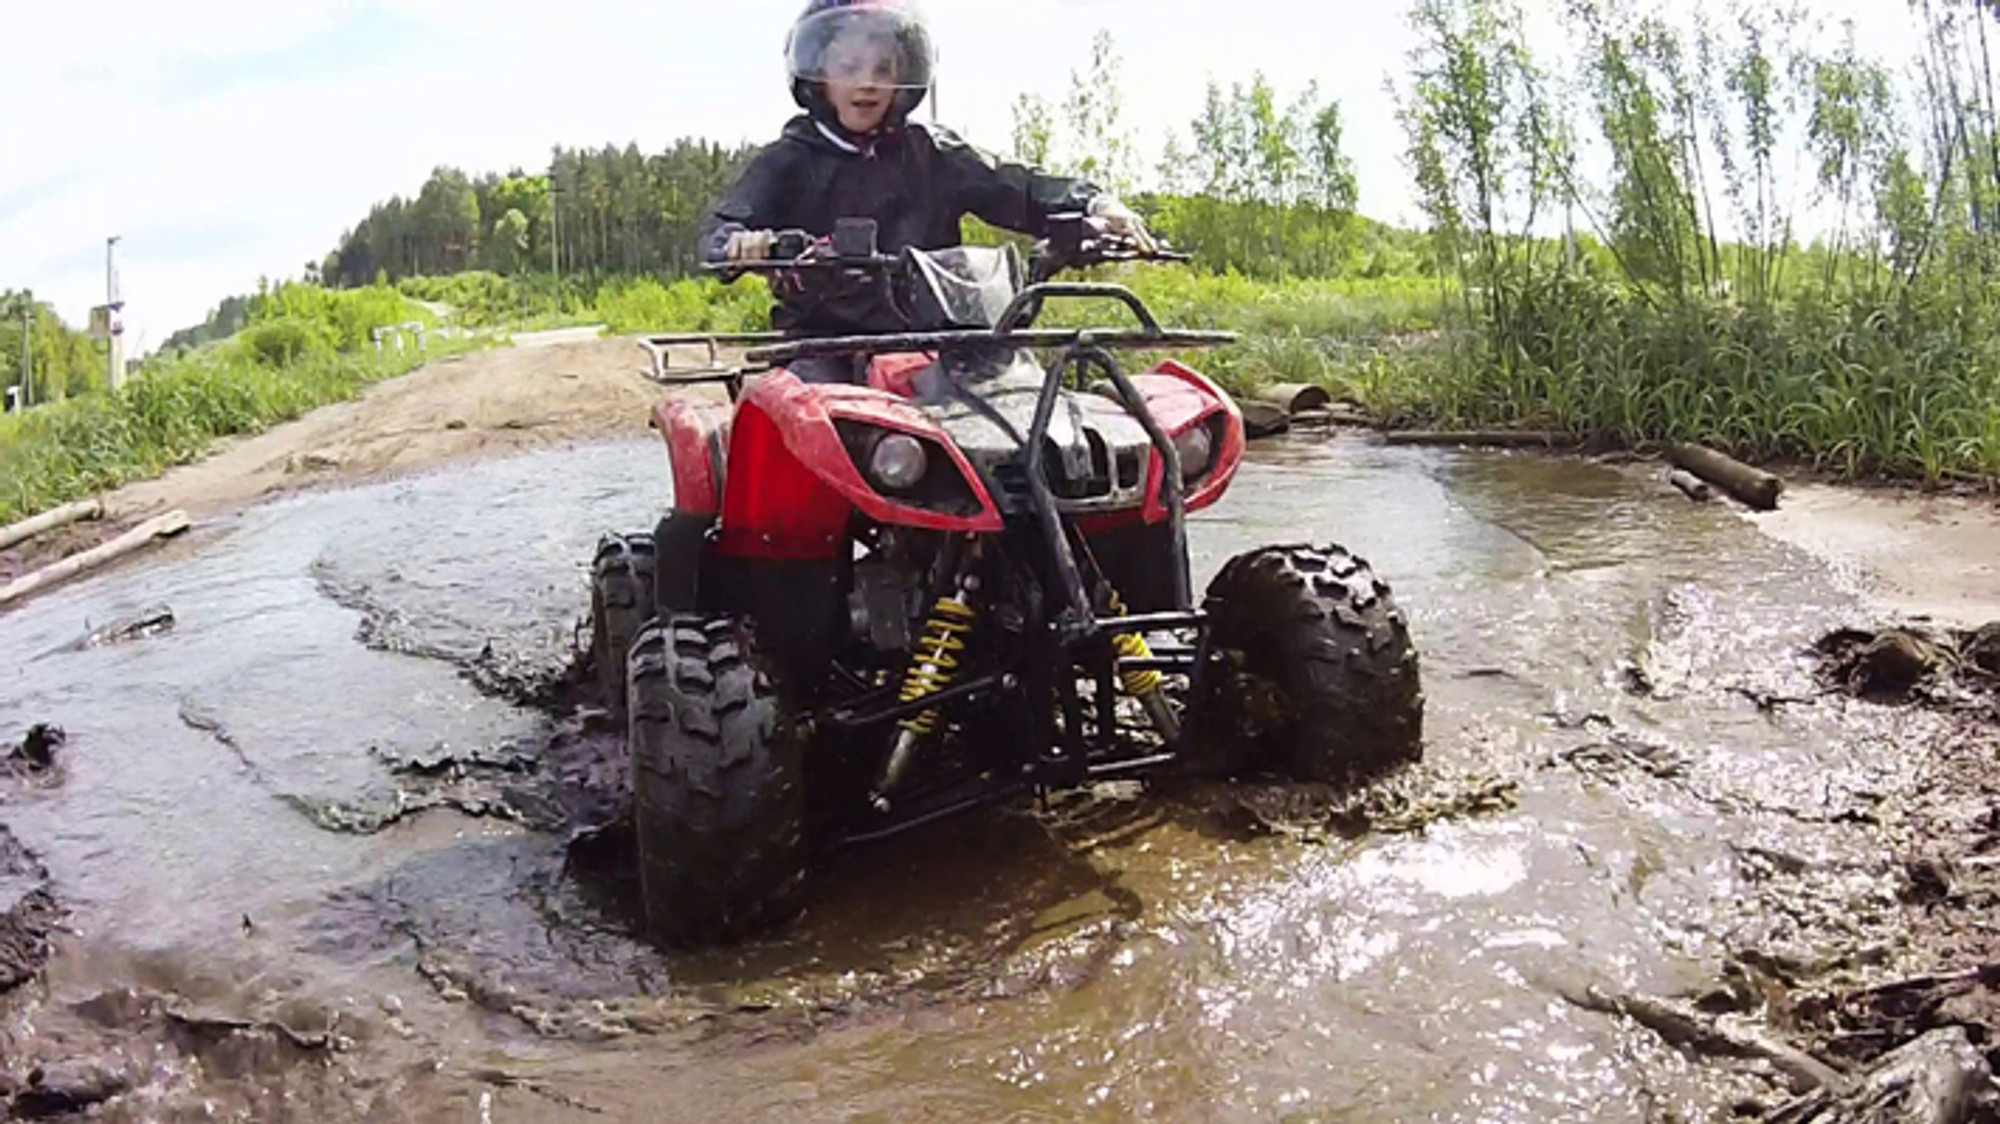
(28, 914)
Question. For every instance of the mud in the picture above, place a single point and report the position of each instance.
(1934, 556)
(348, 842)
(28, 914)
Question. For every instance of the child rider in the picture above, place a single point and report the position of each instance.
(858, 69)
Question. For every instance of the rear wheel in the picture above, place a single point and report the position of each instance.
(718, 779)
(621, 601)
(1313, 674)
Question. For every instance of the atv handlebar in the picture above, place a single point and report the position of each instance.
(1073, 242)
(1078, 242)
(798, 251)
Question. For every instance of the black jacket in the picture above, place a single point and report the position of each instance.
(916, 184)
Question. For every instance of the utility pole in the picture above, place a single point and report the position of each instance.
(28, 355)
(115, 349)
(555, 232)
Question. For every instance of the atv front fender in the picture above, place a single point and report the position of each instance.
(695, 435)
(1181, 398)
(791, 486)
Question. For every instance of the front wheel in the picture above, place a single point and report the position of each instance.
(1312, 673)
(718, 780)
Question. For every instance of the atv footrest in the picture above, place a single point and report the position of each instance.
(1151, 622)
(857, 718)
(1168, 663)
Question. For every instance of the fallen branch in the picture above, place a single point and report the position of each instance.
(48, 521)
(1680, 1025)
(132, 541)
(1490, 438)
(1336, 416)
(1755, 487)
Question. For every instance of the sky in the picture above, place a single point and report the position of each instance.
(228, 140)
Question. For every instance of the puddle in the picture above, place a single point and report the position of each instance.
(334, 786)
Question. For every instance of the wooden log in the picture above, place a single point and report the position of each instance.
(1295, 397)
(136, 539)
(1755, 487)
(1489, 438)
(1335, 416)
(1694, 487)
(49, 520)
(1262, 419)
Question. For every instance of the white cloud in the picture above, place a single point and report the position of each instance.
(230, 139)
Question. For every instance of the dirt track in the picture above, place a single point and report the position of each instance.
(549, 388)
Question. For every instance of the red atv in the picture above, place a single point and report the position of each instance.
(874, 606)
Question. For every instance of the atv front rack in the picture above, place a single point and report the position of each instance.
(658, 349)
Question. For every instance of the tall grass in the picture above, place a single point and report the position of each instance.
(1298, 330)
(492, 300)
(1687, 310)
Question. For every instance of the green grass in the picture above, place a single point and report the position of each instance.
(1317, 331)
(1853, 386)
(691, 305)
(287, 363)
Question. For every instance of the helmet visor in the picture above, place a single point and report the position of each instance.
(862, 46)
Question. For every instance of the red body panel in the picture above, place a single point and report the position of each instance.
(1182, 398)
(791, 485)
(896, 374)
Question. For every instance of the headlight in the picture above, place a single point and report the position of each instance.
(898, 462)
(1197, 449)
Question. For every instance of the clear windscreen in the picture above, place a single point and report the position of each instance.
(967, 287)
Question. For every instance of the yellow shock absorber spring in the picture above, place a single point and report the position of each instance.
(935, 664)
(1132, 646)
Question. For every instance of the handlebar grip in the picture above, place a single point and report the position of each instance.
(791, 244)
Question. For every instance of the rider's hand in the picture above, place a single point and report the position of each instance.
(751, 245)
(1120, 220)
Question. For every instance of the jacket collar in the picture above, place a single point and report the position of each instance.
(810, 130)
(838, 141)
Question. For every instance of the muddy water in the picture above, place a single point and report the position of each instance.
(325, 857)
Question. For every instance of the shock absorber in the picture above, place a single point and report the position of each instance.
(1142, 685)
(933, 669)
